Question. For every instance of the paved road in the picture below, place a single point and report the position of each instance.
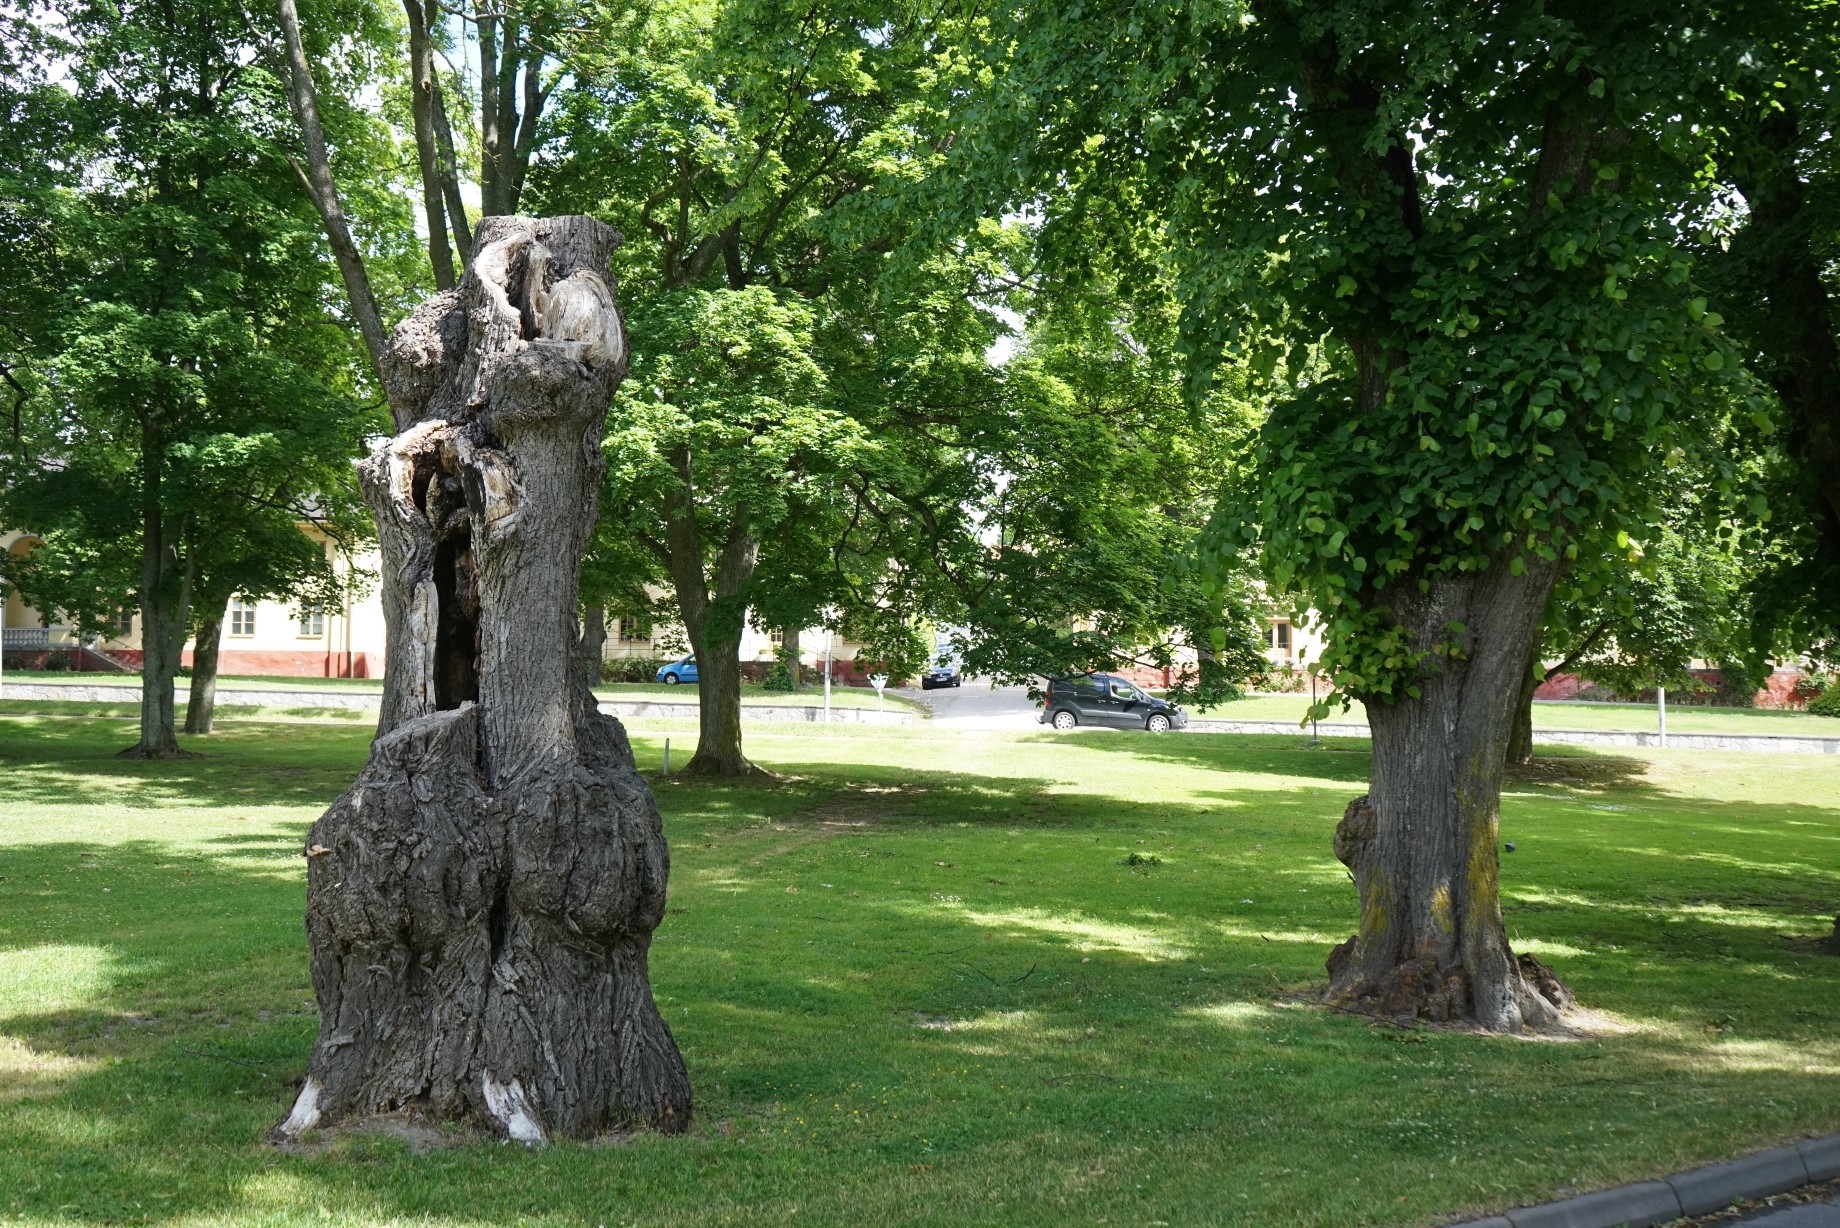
(977, 705)
(1807, 1215)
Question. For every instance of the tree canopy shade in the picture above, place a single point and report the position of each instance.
(1772, 261)
(1447, 240)
(180, 368)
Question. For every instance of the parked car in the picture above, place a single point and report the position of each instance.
(945, 675)
(1104, 699)
(678, 671)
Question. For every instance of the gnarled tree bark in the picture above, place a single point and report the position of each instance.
(481, 902)
(1423, 844)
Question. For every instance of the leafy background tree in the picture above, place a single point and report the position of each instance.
(184, 366)
(1448, 244)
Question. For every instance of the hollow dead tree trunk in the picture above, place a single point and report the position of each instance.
(1423, 844)
(481, 901)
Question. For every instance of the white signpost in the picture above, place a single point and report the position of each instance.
(878, 681)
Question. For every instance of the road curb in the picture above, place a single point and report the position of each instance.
(1697, 1191)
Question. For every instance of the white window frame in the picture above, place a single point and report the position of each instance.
(242, 619)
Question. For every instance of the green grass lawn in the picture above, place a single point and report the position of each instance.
(1680, 718)
(924, 982)
(751, 693)
(266, 682)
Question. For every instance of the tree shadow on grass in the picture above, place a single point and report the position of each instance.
(902, 989)
(870, 1054)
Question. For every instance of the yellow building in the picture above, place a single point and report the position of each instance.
(279, 638)
(259, 637)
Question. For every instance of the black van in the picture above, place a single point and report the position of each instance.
(1104, 699)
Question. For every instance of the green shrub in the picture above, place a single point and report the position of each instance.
(779, 677)
(1827, 703)
(632, 669)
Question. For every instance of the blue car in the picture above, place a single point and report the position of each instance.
(678, 671)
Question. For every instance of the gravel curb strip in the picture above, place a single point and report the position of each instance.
(1694, 1192)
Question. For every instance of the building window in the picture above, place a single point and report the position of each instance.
(312, 624)
(635, 631)
(242, 617)
(1280, 637)
(124, 621)
(777, 638)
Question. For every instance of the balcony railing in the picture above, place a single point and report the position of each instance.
(26, 637)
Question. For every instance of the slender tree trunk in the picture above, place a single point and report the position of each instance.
(593, 644)
(450, 175)
(718, 669)
(422, 86)
(201, 705)
(714, 615)
(1520, 736)
(165, 606)
(1423, 844)
(480, 903)
(793, 668)
(317, 178)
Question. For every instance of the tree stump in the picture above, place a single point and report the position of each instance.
(481, 901)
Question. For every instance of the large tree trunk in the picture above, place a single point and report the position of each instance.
(201, 704)
(1422, 845)
(481, 902)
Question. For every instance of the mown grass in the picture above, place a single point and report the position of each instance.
(753, 693)
(1572, 715)
(233, 712)
(686, 693)
(923, 982)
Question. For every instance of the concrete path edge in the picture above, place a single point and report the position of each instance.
(1697, 1191)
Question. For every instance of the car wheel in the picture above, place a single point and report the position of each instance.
(958, 682)
(672, 680)
(1065, 719)
(1157, 724)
